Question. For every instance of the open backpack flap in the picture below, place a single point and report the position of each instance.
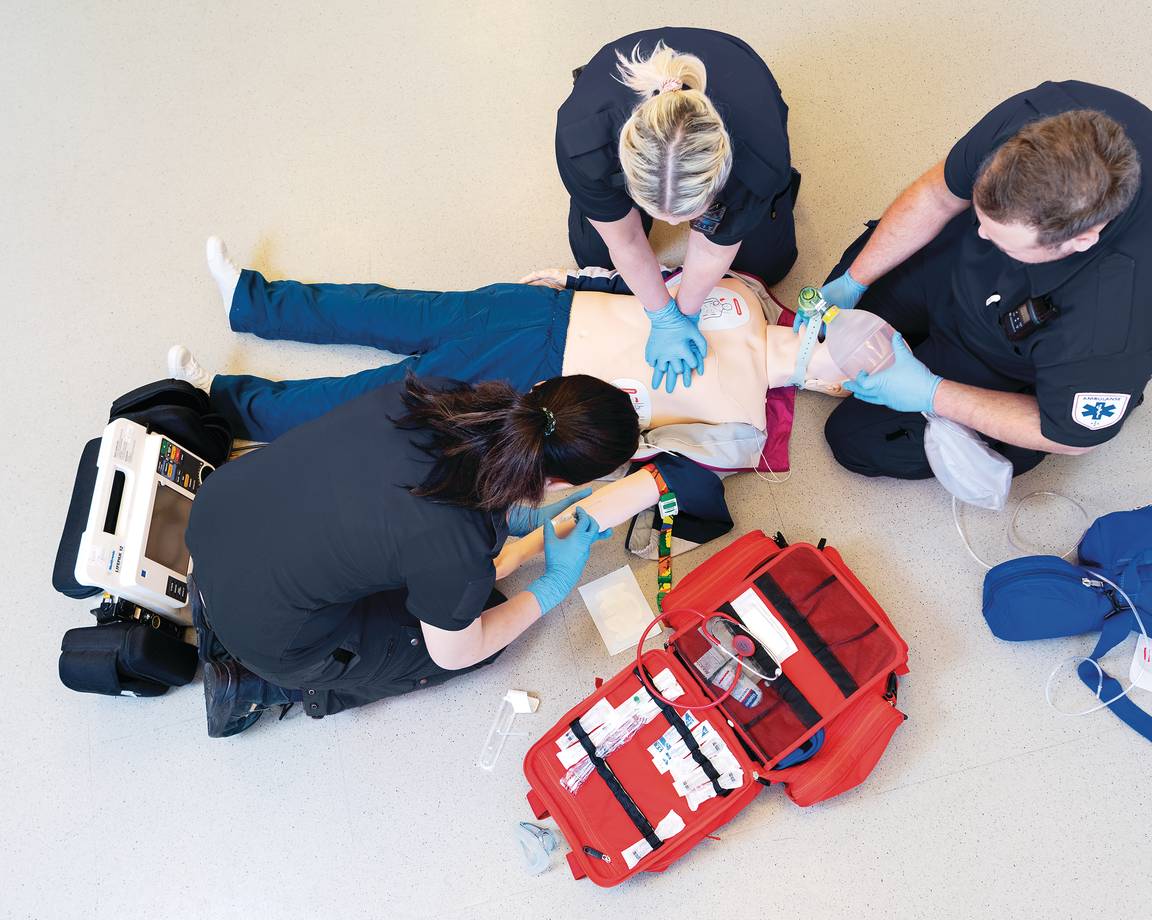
(1044, 597)
(839, 654)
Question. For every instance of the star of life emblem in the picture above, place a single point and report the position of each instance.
(1099, 410)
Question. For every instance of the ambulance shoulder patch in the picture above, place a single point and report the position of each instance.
(1099, 410)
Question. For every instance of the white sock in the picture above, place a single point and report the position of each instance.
(183, 366)
(224, 272)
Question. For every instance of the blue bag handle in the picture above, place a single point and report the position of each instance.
(1116, 629)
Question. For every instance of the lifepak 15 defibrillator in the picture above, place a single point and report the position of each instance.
(133, 544)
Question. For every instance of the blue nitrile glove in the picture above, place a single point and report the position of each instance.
(676, 346)
(906, 386)
(844, 292)
(523, 519)
(565, 558)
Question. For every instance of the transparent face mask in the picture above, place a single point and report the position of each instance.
(967, 467)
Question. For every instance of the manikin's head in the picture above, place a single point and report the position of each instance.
(1048, 191)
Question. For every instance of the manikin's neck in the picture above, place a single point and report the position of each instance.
(783, 345)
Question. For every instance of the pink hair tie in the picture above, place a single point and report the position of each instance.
(671, 86)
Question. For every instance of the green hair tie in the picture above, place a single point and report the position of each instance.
(549, 422)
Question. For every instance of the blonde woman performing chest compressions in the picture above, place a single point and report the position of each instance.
(685, 126)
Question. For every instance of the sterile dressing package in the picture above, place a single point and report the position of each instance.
(619, 609)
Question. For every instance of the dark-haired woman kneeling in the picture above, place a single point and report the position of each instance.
(352, 558)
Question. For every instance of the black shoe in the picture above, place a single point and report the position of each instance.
(235, 698)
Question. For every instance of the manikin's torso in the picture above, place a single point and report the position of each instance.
(746, 356)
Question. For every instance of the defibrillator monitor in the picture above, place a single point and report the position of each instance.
(133, 545)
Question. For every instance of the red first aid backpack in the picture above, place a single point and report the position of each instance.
(837, 686)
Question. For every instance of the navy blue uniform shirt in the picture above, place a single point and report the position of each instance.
(1090, 364)
(289, 540)
(745, 94)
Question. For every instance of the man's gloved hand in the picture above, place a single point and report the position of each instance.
(906, 386)
(844, 292)
(676, 346)
(523, 519)
(565, 558)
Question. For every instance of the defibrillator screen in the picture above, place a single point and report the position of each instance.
(165, 544)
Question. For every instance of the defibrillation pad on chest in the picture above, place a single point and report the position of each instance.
(725, 309)
(607, 334)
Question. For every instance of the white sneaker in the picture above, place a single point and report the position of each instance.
(183, 366)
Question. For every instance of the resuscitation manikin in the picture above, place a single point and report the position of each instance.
(858, 341)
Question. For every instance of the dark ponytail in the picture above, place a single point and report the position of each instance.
(495, 447)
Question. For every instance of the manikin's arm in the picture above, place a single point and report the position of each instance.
(705, 264)
(611, 505)
(910, 223)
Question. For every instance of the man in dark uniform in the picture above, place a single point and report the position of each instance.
(1020, 272)
(738, 114)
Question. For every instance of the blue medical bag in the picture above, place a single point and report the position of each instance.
(1044, 597)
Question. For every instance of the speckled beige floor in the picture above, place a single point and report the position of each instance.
(413, 143)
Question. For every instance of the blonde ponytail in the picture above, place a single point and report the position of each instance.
(647, 75)
(674, 149)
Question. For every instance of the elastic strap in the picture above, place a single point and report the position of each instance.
(685, 733)
(804, 355)
(643, 825)
(807, 634)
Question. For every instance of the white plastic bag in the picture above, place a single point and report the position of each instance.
(966, 466)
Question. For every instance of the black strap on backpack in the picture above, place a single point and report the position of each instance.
(635, 815)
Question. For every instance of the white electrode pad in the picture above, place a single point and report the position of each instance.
(724, 309)
(1141, 672)
(640, 396)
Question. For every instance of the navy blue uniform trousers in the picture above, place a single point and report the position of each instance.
(510, 332)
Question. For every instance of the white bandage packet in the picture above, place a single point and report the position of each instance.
(619, 609)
